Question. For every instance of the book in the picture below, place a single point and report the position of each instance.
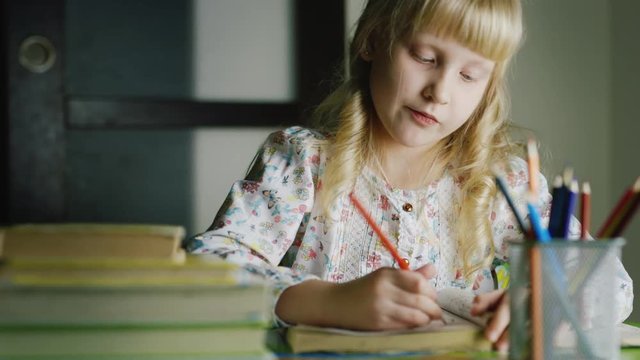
(629, 335)
(115, 292)
(202, 305)
(457, 331)
(116, 307)
(93, 240)
(194, 270)
(127, 342)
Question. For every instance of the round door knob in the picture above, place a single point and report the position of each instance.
(37, 54)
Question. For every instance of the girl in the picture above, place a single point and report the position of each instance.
(412, 131)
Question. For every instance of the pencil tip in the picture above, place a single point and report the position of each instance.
(532, 147)
(575, 188)
(568, 176)
(586, 188)
(557, 181)
(636, 185)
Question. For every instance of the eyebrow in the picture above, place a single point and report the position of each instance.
(483, 65)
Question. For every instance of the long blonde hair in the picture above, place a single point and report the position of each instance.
(492, 28)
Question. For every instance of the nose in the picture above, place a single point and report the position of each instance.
(438, 88)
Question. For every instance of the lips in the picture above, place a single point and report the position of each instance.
(422, 118)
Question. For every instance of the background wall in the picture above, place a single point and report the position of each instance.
(625, 54)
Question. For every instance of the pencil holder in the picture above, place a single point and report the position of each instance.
(573, 315)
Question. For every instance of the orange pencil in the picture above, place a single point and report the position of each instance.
(535, 262)
(533, 160)
(383, 238)
(585, 211)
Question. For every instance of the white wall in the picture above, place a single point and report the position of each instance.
(561, 89)
(243, 50)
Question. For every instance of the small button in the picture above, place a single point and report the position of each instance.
(407, 207)
(405, 261)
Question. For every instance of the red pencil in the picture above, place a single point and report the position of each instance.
(383, 238)
(618, 211)
(626, 218)
(585, 211)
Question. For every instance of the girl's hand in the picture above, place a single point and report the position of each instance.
(384, 299)
(497, 302)
(387, 299)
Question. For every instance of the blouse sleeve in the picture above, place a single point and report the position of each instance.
(505, 228)
(264, 213)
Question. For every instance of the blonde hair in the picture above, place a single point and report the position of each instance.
(492, 28)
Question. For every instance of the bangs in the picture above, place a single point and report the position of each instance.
(491, 28)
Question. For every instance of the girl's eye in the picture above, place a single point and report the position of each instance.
(466, 77)
(423, 59)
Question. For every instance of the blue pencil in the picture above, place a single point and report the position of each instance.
(542, 234)
(557, 204)
(503, 188)
(572, 197)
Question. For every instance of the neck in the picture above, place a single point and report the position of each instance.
(406, 167)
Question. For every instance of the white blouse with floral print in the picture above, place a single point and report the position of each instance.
(271, 224)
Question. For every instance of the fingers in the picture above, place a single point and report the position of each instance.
(499, 322)
(428, 271)
(414, 282)
(422, 303)
(490, 301)
(414, 294)
(403, 316)
(502, 345)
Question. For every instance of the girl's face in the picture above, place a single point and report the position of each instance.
(426, 89)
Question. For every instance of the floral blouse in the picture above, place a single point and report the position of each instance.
(271, 224)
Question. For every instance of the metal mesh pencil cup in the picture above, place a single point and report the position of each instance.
(579, 307)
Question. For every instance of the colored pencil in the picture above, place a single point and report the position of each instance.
(585, 211)
(626, 218)
(537, 317)
(618, 211)
(571, 198)
(537, 322)
(533, 161)
(383, 238)
(541, 233)
(503, 188)
(557, 204)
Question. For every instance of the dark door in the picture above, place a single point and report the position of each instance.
(59, 136)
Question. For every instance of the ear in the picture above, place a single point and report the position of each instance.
(366, 55)
(370, 48)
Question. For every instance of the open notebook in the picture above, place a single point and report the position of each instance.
(457, 330)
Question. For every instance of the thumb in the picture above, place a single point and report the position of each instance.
(428, 271)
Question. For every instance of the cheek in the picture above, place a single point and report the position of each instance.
(385, 86)
(471, 101)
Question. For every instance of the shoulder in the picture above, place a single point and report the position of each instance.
(297, 136)
(295, 147)
(515, 172)
(296, 143)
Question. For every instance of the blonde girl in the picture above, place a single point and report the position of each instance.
(413, 132)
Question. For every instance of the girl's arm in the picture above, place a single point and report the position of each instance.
(264, 213)
(385, 299)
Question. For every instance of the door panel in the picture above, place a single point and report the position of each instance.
(105, 134)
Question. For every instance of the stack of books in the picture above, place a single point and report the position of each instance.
(122, 291)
